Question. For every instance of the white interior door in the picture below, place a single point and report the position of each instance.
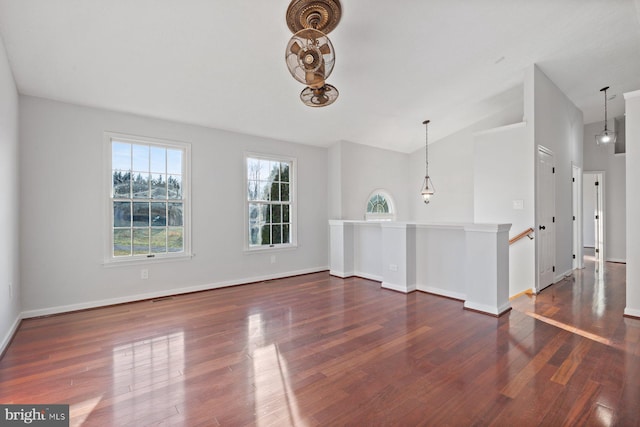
(545, 233)
(593, 207)
(589, 210)
(598, 185)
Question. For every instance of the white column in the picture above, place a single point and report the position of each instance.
(341, 248)
(632, 110)
(399, 256)
(487, 268)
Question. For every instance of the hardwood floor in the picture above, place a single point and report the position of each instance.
(318, 350)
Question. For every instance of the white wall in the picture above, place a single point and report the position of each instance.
(602, 158)
(10, 307)
(361, 170)
(334, 201)
(63, 216)
(558, 126)
(504, 176)
(588, 210)
(440, 254)
(632, 109)
(451, 170)
(367, 253)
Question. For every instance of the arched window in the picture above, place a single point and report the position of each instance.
(380, 207)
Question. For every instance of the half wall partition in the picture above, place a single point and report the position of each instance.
(468, 262)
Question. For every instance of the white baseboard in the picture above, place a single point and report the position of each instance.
(340, 274)
(367, 276)
(559, 277)
(399, 288)
(346, 274)
(12, 330)
(442, 292)
(632, 312)
(159, 294)
(496, 311)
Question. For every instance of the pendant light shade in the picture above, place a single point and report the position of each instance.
(606, 136)
(428, 189)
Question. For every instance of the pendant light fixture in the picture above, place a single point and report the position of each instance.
(606, 136)
(427, 186)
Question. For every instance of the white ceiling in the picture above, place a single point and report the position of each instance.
(221, 63)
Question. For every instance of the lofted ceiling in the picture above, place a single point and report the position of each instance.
(221, 64)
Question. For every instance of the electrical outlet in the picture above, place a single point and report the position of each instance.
(144, 273)
(393, 267)
(10, 290)
(273, 259)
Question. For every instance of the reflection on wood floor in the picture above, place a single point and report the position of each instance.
(318, 350)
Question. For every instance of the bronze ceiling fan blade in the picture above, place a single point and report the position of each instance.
(325, 49)
(295, 48)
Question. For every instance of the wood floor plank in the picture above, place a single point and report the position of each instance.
(571, 363)
(520, 381)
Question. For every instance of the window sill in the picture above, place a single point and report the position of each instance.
(141, 261)
(263, 249)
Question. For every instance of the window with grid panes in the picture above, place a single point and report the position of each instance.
(270, 204)
(380, 206)
(148, 198)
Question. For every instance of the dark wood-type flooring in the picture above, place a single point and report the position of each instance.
(318, 350)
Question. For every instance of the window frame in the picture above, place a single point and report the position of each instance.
(109, 258)
(293, 203)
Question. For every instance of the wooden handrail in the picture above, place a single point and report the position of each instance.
(526, 232)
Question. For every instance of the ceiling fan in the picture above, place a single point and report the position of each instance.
(309, 55)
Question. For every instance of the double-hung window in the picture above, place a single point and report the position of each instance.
(270, 202)
(148, 198)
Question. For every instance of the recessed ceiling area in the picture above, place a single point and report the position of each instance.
(221, 64)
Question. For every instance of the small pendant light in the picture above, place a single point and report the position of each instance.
(427, 186)
(606, 136)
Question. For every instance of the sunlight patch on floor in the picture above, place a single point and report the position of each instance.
(78, 412)
(571, 329)
(148, 378)
(275, 400)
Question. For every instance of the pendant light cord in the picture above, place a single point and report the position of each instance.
(426, 147)
(605, 107)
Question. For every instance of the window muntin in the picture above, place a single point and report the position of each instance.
(378, 204)
(270, 204)
(148, 203)
(380, 207)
